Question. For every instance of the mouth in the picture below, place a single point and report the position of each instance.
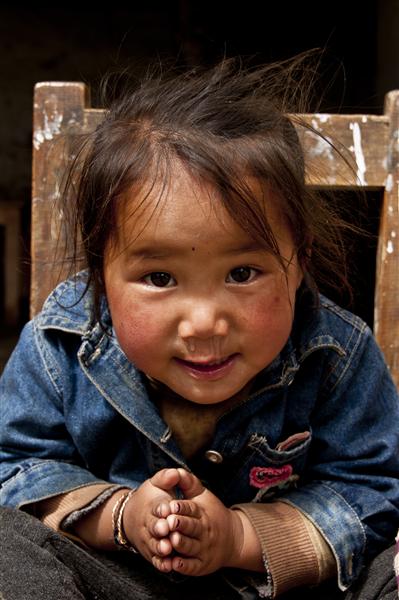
(208, 369)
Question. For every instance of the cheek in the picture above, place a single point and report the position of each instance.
(270, 317)
(137, 330)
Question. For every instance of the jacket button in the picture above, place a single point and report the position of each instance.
(214, 456)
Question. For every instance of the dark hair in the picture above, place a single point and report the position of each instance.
(223, 124)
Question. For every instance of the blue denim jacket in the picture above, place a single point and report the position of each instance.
(320, 430)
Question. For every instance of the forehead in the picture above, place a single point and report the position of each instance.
(186, 209)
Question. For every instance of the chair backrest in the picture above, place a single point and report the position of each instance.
(372, 140)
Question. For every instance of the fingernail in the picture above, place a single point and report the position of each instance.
(177, 507)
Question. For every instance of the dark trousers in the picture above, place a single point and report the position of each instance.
(38, 564)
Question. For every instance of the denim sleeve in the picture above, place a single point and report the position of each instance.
(37, 456)
(351, 492)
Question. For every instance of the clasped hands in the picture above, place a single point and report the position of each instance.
(195, 535)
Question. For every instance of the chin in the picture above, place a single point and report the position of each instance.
(207, 397)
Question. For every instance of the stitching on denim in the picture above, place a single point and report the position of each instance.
(125, 368)
(45, 356)
(348, 317)
(344, 500)
(40, 465)
(63, 324)
(361, 338)
(323, 346)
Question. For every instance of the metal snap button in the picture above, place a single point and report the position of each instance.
(214, 456)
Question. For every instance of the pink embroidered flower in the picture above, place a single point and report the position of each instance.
(264, 477)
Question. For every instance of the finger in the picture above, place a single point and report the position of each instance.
(161, 528)
(162, 564)
(162, 510)
(166, 479)
(184, 545)
(160, 548)
(164, 547)
(187, 566)
(185, 508)
(186, 525)
(189, 484)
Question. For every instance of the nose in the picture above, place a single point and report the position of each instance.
(203, 320)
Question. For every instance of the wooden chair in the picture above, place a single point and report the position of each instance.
(372, 141)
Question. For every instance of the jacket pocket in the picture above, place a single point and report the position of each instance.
(287, 450)
(260, 472)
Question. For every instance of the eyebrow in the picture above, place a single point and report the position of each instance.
(160, 251)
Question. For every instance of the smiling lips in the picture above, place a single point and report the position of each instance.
(214, 369)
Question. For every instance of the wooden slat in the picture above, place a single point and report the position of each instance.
(362, 139)
(386, 327)
(58, 108)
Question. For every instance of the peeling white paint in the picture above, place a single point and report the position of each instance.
(376, 323)
(315, 124)
(56, 224)
(55, 84)
(393, 234)
(56, 195)
(359, 156)
(364, 119)
(52, 121)
(73, 120)
(331, 180)
(390, 209)
(323, 118)
(321, 147)
(389, 183)
(390, 247)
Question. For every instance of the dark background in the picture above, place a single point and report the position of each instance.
(83, 41)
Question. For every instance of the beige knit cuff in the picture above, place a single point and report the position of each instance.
(291, 544)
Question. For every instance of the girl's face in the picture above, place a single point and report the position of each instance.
(195, 303)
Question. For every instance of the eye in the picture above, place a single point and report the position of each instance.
(241, 274)
(159, 279)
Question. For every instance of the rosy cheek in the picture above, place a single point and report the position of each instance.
(137, 332)
(270, 315)
(260, 319)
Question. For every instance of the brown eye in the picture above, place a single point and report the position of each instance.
(159, 279)
(241, 275)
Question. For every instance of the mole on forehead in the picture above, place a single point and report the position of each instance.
(165, 250)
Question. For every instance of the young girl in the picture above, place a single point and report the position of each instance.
(188, 417)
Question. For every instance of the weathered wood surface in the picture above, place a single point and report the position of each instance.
(59, 109)
(362, 140)
(369, 159)
(386, 311)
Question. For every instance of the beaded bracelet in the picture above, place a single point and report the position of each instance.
(120, 537)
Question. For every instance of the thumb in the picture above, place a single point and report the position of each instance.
(189, 484)
(166, 479)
